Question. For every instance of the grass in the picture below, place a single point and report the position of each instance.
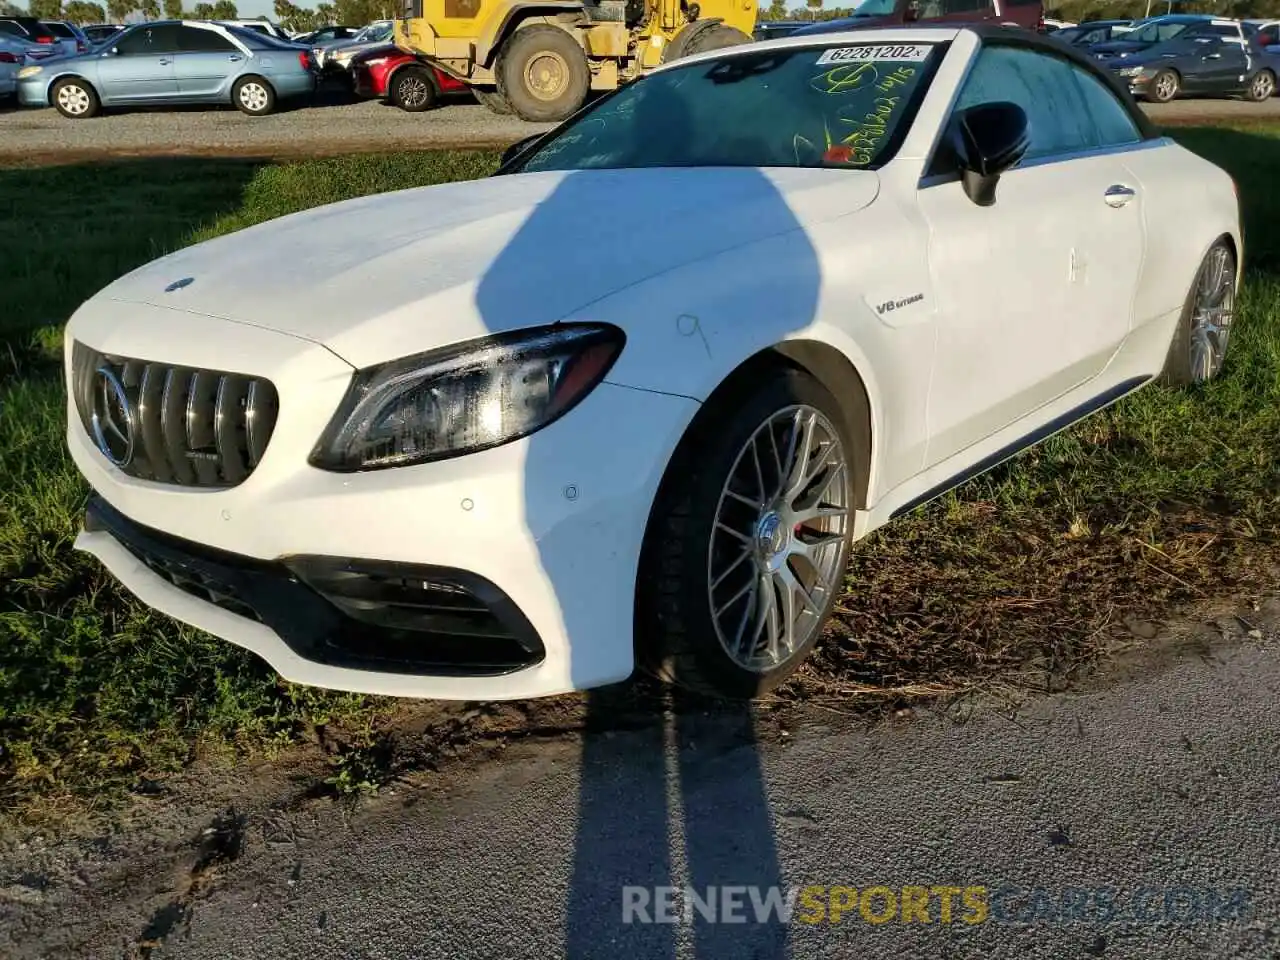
(1169, 496)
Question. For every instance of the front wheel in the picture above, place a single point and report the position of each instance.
(543, 73)
(1262, 86)
(413, 89)
(747, 545)
(254, 96)
(1163, 87)
(75, 99)
(1199, 346)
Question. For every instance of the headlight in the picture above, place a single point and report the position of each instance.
(29, 72)
(466, 397)
(1130, 71)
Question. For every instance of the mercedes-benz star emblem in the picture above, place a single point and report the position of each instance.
(113, 417)
(179, 284)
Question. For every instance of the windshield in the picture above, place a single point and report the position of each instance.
(375, 31)
(61, 30)
(1157, 31)
(874, 8)
(811, 107)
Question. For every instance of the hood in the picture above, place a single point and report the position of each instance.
(397, 273)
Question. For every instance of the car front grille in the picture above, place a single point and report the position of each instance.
(171, 424)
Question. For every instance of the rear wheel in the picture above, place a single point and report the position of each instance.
(413, 89)
(254, 96)
(1199, 346)
(75, 98)
(542, 72)
(1262, 86)
(747, 545)
(695, 38)
(1163, 87)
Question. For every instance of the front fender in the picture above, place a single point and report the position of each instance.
(690, 329)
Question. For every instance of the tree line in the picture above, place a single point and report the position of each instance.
(117, 11)
(347, 13)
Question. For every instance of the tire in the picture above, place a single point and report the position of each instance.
(1199, 345)
(1262, 87)
(254, 96)
(696, 39)
(1164, 86)
(75, 98)
(688, 557)
(542, 72)
(413, 89)
(491, 98)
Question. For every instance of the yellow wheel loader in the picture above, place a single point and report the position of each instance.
(539, 59)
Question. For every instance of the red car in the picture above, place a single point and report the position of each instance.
(409, 82)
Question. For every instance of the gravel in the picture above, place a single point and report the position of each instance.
(326, 127)
(334, 126)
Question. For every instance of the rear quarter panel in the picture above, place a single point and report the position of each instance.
(1187, 204)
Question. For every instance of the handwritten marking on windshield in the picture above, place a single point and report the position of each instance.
(898, 78)
(845, 79)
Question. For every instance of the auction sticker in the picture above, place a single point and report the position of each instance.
(875, 51)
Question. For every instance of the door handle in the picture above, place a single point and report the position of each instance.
(235, 58)
(165, 61)
(1118, 195)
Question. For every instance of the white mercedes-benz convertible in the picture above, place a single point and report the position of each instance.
(630, 400)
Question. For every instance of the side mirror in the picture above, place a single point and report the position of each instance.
(987, 140)
(912, 12)
(519, 147)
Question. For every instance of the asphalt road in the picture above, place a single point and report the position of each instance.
(336, 127)
(1149, 797)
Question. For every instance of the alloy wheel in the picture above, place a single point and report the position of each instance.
(1166, 86)
(1212, 313)
(777, 548)
(413, 91)
(73, 99)
(1263, 86)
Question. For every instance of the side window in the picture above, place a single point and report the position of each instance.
(165, 39)
(136, 43)
(196, 40)
(1112, 123)
(1044, 86)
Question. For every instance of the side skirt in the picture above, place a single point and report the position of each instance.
(1075, 415)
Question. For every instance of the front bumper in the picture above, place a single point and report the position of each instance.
(33, 91)
(553, 523)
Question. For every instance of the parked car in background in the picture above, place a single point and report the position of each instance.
(405, 79)
(31, 30)
(398, 459)
(1094, 31)
(1266, 34)
(13, 57)
(100, 32)
(1053, 25)
(326, 35)
(335, 58)
(885, 13)
(170, 62)
(258, 26)
(1147, 33)
(772, 29)
(71, 39)
(1212, 58)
